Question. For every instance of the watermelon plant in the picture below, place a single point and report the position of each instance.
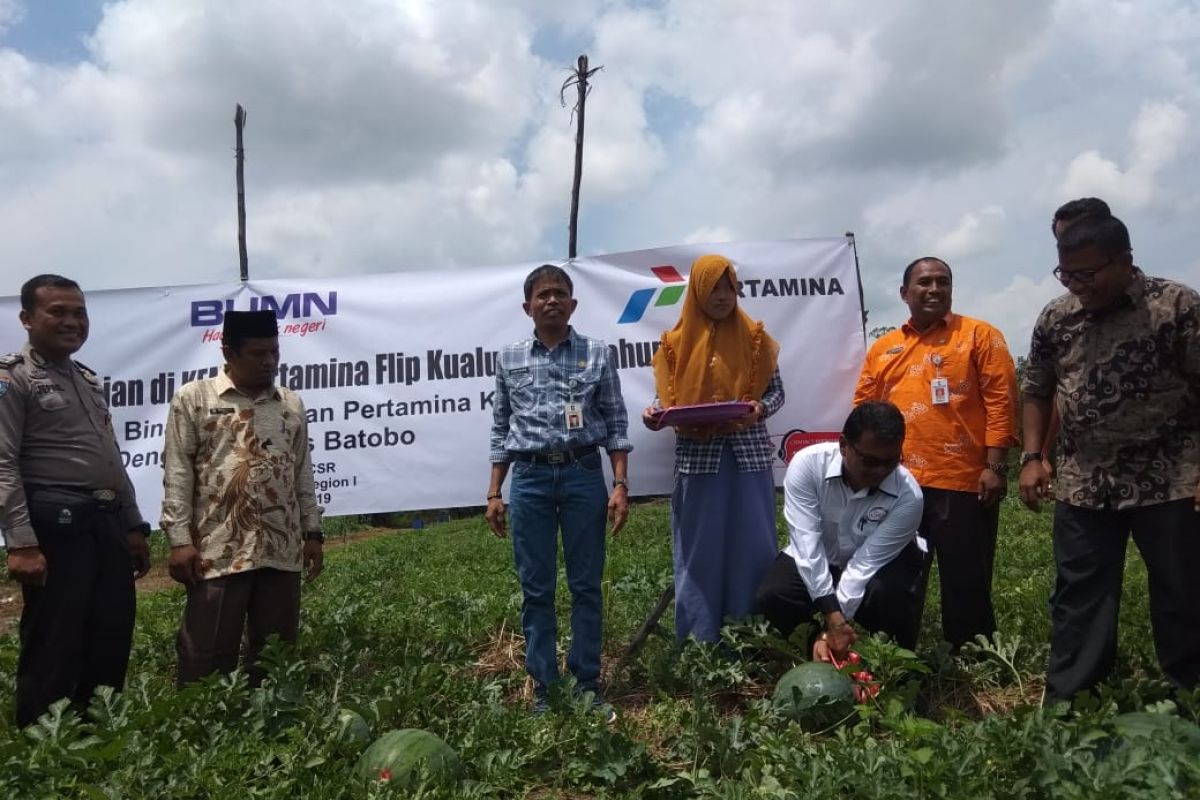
(421, 631)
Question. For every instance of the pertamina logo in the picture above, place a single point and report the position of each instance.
(668, 295)
(301, 306)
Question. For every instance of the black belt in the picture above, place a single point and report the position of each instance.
(104, 499)
(556, 456)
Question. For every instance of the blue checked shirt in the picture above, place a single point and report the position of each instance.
(752, 446)
(533, 387)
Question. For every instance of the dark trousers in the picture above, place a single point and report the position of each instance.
(76, 630)
(1089, 552)
(259, 602)
(892, 604)
(961, 533)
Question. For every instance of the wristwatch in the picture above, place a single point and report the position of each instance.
(621, 482)
(1030, 455)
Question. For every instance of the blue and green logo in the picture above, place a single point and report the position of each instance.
(668, 295)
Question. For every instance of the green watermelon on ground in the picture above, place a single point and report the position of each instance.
(815, 694)
(397, 757)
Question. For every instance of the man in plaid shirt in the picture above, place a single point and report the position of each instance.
(558, 400)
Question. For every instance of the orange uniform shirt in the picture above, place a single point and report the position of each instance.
(945, 445)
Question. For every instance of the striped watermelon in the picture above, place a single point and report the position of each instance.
(814, 694)
(396, 756)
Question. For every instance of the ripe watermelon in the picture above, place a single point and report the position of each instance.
(352, 727)
(396, 756)
(814, 694)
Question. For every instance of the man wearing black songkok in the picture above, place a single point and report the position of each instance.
(239, 506)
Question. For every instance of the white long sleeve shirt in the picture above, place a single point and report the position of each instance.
(832, 524)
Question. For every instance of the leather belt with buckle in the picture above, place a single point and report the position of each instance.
(556, 456)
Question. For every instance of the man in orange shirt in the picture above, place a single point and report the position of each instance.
(954, 380)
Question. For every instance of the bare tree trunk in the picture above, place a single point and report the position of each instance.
(239, 124)
(579, 79)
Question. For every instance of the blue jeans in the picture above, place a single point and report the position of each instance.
(544, 498)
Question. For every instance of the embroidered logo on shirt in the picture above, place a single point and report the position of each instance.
(897, 350)
(876, 514)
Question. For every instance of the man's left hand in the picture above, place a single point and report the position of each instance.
(139, 551)
(314, 558)
(618, 508)
(992, 487)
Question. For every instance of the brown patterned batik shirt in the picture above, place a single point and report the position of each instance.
(238, 480)
(1127, 383)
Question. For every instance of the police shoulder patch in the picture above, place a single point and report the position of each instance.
(87, 372)
(4, 385)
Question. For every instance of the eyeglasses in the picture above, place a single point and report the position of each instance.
(874, 462)
(1084, 276)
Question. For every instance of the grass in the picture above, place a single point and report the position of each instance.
(422, 629)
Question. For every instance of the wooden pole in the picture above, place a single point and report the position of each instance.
(579, 79)
(239, 124)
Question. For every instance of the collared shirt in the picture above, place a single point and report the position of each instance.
(752, 447)
(945, 445)
(830, 523)
(55, 430)
(1127, 383)
(238, 482)
(534, 385)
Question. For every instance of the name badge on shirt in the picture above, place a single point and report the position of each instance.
(940, 391)
(574, 413)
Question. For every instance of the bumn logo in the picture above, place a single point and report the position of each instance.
(668, 295)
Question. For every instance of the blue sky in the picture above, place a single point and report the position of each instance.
(386, 136)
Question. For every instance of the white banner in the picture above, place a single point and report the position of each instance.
(397, 371)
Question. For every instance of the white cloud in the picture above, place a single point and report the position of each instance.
(977, 232)
(11, 12)
(1158, 134)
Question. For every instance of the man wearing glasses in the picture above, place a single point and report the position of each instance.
(1121, 353)
(954, 380)
(852, 512)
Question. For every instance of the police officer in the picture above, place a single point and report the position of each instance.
(74, 537)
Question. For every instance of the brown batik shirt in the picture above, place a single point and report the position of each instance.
(237, 477)
(1127, 383)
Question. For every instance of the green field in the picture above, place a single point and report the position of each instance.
(420, 629)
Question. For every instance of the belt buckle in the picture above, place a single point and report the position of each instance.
(556, 458)
(104, 495)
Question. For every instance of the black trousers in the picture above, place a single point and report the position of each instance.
(892, 604)
(1089, 552)
(961, 533)
(76, 630)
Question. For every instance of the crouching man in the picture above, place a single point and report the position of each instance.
(852, 512)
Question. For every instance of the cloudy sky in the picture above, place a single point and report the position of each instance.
(389, 135)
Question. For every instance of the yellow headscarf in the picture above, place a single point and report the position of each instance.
(702, 360)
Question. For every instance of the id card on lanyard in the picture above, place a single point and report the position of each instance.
(939, 387)
(573, 409)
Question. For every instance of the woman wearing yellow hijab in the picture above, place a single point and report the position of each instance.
(723, 504)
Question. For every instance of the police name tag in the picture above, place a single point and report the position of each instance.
(940, 391)
(574, 414)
